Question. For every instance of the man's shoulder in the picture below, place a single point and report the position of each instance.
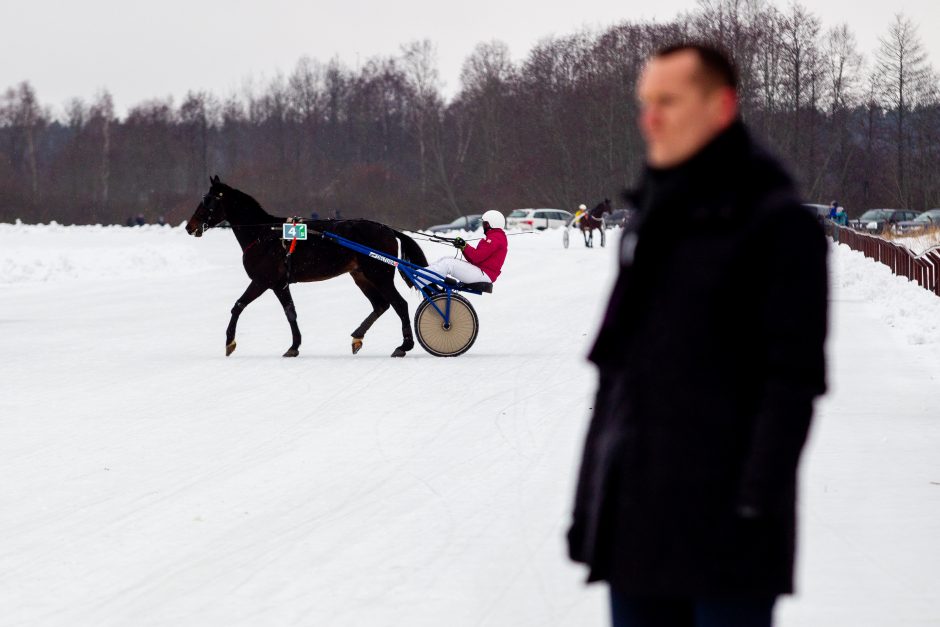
(765, 171)
(768, 186)
(779, 213)
(772, 195)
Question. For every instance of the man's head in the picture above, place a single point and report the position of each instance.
(687, 95)
(493, 219)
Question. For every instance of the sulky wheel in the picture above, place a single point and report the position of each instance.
(453, 339)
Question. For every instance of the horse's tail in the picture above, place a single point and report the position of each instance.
(411, 252)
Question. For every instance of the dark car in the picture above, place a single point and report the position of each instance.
(877, 220)
(618, 217)
(929, 219)
(463, 223)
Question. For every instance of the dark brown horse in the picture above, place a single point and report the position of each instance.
(594, 219)
(266, 260)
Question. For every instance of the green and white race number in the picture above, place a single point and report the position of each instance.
(294, 231)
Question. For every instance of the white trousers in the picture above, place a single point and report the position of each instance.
(463, 271)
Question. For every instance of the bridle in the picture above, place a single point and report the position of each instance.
(209, 201)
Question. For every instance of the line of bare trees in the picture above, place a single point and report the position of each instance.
(556, 129)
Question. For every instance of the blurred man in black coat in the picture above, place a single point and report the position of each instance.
(710, 357)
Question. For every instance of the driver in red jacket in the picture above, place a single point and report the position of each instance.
(483, 263)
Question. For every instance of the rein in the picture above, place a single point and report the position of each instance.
(248, 247)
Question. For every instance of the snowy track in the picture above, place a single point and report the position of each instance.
(148, 480)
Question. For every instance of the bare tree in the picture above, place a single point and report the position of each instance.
(903, 74)
(102, 112)
(420, 64)
(306, 97)
(194, 115)
(842, 66)
(799, 30)
(486, 79)
(558, 128)
(26, 116)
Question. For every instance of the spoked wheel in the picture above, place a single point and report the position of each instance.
(453, 339)
(564, 237)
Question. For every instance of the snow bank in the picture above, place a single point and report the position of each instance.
(910, 309)
(51, 252)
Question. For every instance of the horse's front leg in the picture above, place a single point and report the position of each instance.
(283, 295)
(254, 291)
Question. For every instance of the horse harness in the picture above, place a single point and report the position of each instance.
(209, 202)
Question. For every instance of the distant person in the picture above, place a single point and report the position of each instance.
(582, 209)
(130, 221)
(161, 220)
(485, 262)
(140, 220)
(710, 355)
(842, 218)
(833, 210)
(314, 215)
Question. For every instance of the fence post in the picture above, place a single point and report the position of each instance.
(934, 256)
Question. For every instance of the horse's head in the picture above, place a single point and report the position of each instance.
(211, 210)
(601, 208)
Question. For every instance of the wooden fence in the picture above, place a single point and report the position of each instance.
(923, 268)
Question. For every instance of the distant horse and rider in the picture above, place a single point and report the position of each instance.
(594, 219)
(271, 266)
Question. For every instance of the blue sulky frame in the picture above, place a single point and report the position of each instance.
(410, 270)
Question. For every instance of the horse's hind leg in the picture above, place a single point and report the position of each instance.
(400, 305)
(254, 291)
(379, 306)
(283, 294)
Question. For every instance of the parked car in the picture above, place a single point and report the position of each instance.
(618, 217)
(877, 220)
(538, 219)
(463, 223)
(924, 221)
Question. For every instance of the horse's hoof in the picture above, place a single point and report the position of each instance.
(291, 352)
(356, 344)
(230, 348)
(399, 352)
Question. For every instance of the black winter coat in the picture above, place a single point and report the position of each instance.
(710, 356)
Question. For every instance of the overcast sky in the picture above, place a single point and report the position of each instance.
(140, 51)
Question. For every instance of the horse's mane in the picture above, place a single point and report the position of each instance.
(601, 208)
(248, 204)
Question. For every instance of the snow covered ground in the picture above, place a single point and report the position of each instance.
(149, 480)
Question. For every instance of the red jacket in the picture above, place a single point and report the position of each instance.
(489, 254)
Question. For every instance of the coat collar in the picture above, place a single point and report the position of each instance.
(702, 179)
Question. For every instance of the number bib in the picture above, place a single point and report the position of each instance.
(294, 231)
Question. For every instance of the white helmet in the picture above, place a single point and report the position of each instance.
(582, 207)
(495, 219)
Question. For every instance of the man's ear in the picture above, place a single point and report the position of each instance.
(728, 105)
